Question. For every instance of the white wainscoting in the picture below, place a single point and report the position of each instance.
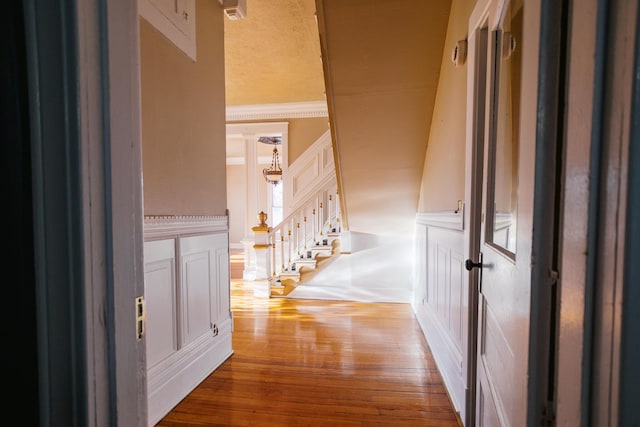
(188, 316)
(441, 297)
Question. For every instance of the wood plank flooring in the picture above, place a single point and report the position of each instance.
(319, 363)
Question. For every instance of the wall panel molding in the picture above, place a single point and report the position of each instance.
(312, 170)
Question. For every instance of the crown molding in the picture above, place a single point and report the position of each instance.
(289, 110)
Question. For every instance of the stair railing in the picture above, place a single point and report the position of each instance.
(292, 239)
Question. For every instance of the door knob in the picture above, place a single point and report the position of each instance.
(469, 265)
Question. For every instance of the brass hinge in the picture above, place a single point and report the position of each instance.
(140, 318)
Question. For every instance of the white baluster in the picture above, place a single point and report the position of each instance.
(304, 233)
(273, 255)
(321, 222)
(337, 211)
(282, 250)
(329, 210)
(290, 246)
(313, 225)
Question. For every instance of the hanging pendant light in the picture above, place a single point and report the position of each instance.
(273, 174)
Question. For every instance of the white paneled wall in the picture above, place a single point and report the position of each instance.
(188, 320)
(441, 296)
(310, 172)
(160, 294)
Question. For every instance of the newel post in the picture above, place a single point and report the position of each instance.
(262, 249)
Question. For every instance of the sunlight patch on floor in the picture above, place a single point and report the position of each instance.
(338, 283)
(350, 294)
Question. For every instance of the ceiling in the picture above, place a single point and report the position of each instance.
(379, 61)
(273, 54)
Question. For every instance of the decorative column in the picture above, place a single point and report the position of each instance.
(262, 250)
(251, 200)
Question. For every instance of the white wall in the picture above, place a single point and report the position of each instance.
(378, 268)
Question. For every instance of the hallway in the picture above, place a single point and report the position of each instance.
(318, 363)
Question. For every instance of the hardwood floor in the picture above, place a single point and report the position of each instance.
(319, 363)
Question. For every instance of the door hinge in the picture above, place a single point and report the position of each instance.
(554, 276)
(140, 318)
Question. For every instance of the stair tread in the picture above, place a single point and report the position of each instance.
(317, 253)
(289, 273)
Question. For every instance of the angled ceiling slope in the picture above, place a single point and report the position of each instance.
(381, 66)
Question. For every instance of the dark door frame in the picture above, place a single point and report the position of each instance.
(547, 212)
(629, 410)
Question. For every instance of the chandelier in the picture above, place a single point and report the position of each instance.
(273, 174)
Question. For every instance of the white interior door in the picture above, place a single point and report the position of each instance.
(502, 256)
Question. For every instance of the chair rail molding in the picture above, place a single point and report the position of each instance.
(163, 226)
(450, 219)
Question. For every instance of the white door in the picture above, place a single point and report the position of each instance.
(503, 96)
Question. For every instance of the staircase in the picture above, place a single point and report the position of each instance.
(282, 255)
(303, 240)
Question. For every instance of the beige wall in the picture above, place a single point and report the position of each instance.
(236, 201)
(183, 119)
(303, 133)
(443, 175)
